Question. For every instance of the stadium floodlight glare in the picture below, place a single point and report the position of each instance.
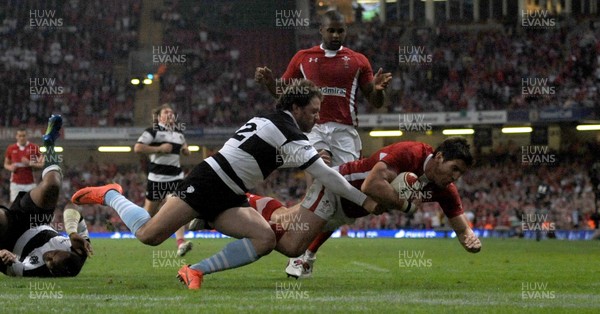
(114, 149)
(147, 81)
(57, 149)
(388, 133)
(588, 127)
(135, 81)
(513, 130)
(194, 148)
(458, 131)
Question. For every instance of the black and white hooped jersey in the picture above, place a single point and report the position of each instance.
(30, 248)
(164, 167)
(259, 147)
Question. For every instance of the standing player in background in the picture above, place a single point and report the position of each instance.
(339, 72)
(20, 159)
(164, 143)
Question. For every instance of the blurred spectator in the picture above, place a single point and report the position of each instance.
(498, 194)
(68, 65)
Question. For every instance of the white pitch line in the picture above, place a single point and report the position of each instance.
(371, 267)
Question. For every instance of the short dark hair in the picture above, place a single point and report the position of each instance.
(332, 16)
(299, 93)
(70, 266)
(455, 147)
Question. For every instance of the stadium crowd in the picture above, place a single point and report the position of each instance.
(58, 55)
(482, 71)
(494, 195)
(489, 70)
(211, 88)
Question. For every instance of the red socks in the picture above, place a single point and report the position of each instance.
(319, 240)
(264, 205)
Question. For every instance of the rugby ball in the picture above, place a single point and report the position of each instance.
(406, 184)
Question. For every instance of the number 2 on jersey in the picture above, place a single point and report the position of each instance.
(249, 128)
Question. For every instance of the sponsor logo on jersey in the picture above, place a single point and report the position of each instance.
(333, 91)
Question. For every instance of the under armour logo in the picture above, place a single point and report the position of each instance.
(311, 59)
(190, 189)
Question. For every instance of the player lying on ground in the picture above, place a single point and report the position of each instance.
(42, 252)
(28, 246)
(215, 189)
(323, 211)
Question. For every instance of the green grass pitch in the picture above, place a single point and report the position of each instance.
(351, 275)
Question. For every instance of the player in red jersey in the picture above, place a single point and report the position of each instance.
(20, 159)
(339, 72)
(322, 210)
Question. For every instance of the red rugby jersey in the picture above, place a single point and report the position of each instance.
(338, 73)
(24, 173)
(401, 157)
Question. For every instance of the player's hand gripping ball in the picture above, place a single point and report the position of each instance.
(407, 185)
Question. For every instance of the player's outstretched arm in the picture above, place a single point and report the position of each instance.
(334, 181)
(264, 76)
(465, 234)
